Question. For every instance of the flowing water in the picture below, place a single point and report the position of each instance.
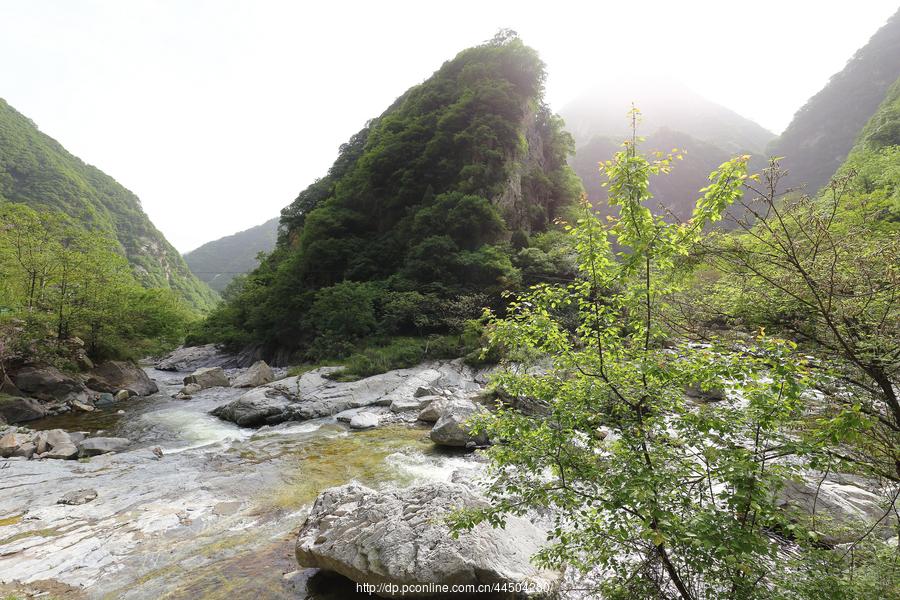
(215, 517)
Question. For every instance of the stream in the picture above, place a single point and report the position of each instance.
(215, 516)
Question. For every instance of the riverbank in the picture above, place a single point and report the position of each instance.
(216, 515)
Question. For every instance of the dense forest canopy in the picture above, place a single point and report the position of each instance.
(428, 213)
(35, 170)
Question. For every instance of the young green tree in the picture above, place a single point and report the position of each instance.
(665, 496)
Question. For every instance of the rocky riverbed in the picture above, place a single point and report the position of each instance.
(197, 506)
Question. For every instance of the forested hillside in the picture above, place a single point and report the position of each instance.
(822, 133)
(219, 261)
(434, 208)
(37, 171)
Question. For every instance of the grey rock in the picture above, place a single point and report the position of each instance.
(62, 451)
(426, 390)
(52, 438)
(258, 374)
(399, 537)
(711, 395)
(49, 384)
(25, 450)
(81, 406)
(313, 395)
(364, 420)
(844, 506)
(101, 445)
(440, 406)
(452, 428)
(77, 497)
(18, 410)
(11, 442)
(416, 403)
(196, 357)
(8, 387)
(115, 375)
(208, 377)
(188, 391)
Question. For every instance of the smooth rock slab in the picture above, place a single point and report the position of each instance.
(101, 445)
(399, 537)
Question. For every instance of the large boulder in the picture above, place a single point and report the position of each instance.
(398, 537)
(115, 375)
(12, 442)
(258, 374)
(55, 443)
(208, 377)
(259, 406)
(844, 507)
(314, 395)
(441, 406)
(8, 387)
(196, 357)
(19, 410)
(49, 384)
(101, 445)
(453, 429)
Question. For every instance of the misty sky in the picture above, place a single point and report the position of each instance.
(218, 112)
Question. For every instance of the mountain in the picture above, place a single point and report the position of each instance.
(37, 171)
(874, 160)
(663, 104)
(422, 220)
(822, 133)
(219, 261)
(672, 117)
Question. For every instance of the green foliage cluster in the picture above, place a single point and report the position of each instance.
(35, 170)
(427, 212)
(659, 496)
(59, 282)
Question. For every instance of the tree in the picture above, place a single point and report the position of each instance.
(826, 271)
(667, 498)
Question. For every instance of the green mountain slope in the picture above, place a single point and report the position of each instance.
(875, 160)
(219, 261)
(37, 171)
(422, 218)
(822, 133)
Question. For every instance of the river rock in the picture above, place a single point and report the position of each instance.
(122, 395)
(436, 409)
(196, 357)
(77, 497)
(452, 429)
(101, 445)
(399, 537)
(844, 506)
(313, 395)
(104, 399)
(82, 406)
(364, 420)
(258, 374)
(697, 393)
(415, 403)
(49, 384)
(115, 375)
(19, 410)
(11, 442)
(208, 377)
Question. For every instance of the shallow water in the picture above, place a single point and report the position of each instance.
(216, 517)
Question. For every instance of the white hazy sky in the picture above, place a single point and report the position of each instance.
(218, 112)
